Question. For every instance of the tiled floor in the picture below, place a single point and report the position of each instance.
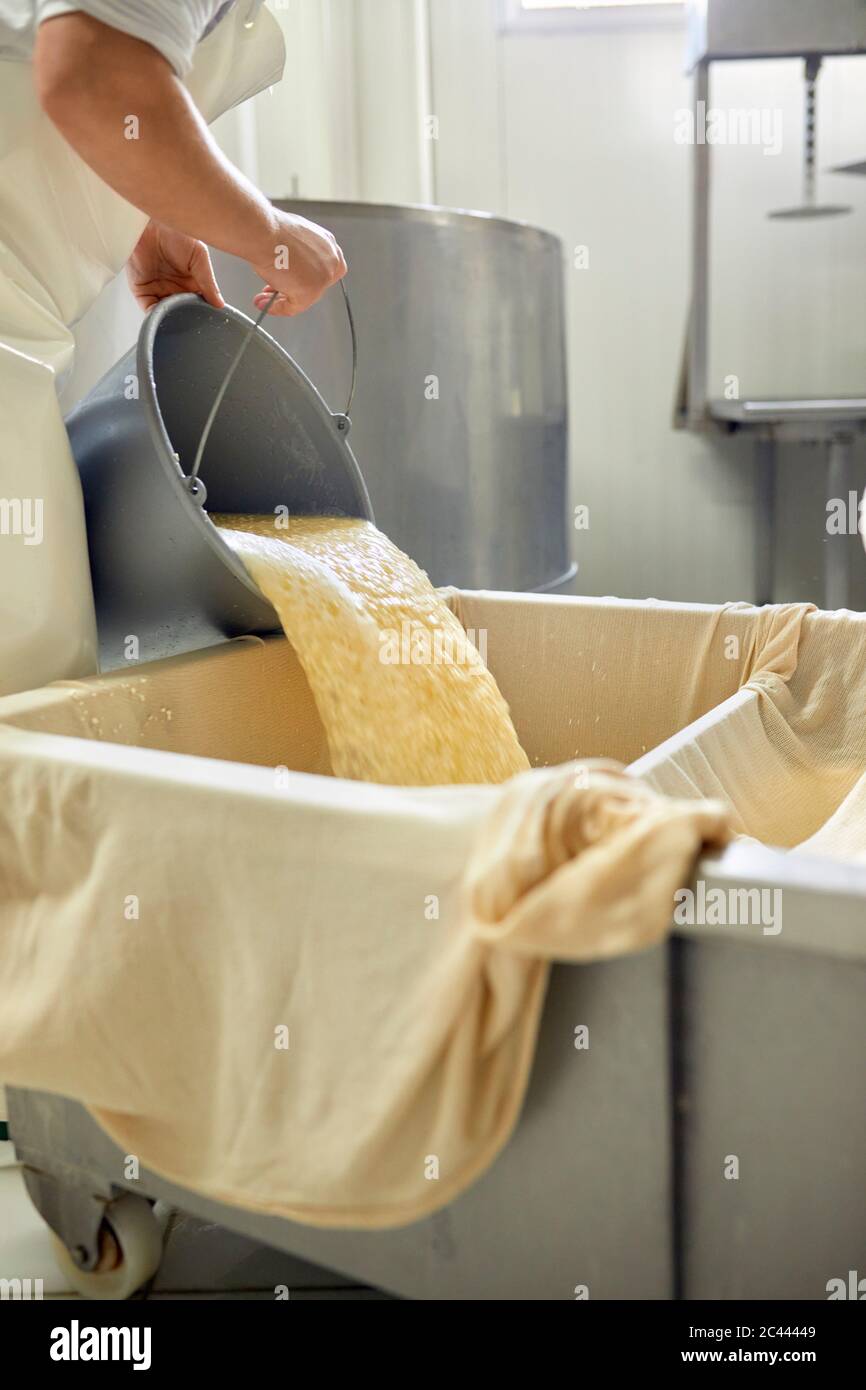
(200, 1261)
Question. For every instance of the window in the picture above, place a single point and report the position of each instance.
(538, 15)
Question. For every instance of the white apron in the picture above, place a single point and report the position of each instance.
(64, 234)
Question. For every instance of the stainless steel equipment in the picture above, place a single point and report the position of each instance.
(810, 207)
(460, 418)
(724, 1041)
(722, 30)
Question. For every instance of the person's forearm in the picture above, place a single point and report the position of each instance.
(120, 106)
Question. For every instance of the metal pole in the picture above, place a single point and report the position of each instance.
(837, 549)
(699, 325)
(765, 519)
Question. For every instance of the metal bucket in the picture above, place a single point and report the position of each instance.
(460, 420)
(162, 573)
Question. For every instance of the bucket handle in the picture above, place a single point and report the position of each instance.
(352, 330)
(193, 482)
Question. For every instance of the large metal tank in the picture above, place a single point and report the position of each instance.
(459, 423)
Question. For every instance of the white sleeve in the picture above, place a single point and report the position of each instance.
(172, 27)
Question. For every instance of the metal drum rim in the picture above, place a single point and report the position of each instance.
(430, 214)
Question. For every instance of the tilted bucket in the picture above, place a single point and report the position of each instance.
(162, 573)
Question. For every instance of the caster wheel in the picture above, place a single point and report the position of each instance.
(130, 1249)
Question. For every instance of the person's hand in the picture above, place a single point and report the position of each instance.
(166, 262)
(305, 261)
